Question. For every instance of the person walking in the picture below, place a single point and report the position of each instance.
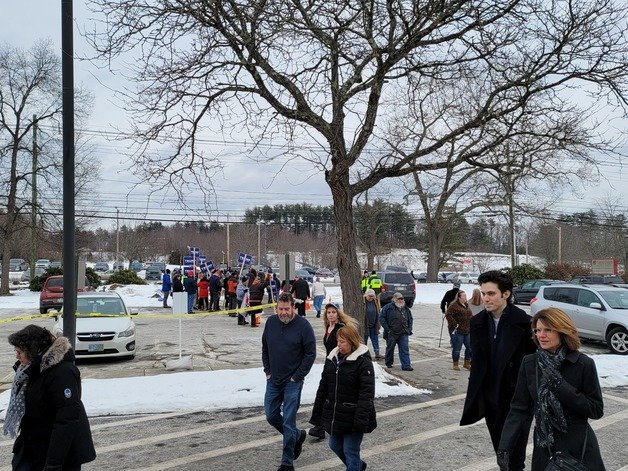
(396, 320)
(318, 295)
(166, 286)
(190, 288)
(241, 290)
(344, 404)
(301, 291)
(288, 353)
(215, 288)
(333, 320)
(177, 283)
(458, 318)
(500, 338)
(45, 410)
(475, 303)
(560, 387)
(372, 309)
(449, 297)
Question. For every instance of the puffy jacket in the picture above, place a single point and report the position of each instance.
(203, 288)
(344, 400)
(54, 431)
(458, 317)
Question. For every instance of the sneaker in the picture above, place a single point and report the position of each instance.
(318, 432)
(298, 446)
(408, 368)
(285, 467)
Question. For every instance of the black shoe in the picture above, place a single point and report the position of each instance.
(388, 366)
(409, 368)
(318, 432)
(363, 465)
(285, 467)
(298, 446)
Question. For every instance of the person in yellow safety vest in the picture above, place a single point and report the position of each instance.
(365, 280)
(374, 282)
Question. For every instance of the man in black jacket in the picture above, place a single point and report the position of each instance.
(449, 297)
(500, 337)
(301, 292)
(288, 353)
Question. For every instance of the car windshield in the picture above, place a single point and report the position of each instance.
(398, 278)
(109, 306)
(615, 299)
(52, 282)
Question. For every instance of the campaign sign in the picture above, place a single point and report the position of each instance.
(244, 258)
(188, 260)
(194, 250)
(204, 269)
(210, 265)
(201, 259)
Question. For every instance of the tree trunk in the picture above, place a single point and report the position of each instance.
(435, 237)
(347, 258)
(9, 222)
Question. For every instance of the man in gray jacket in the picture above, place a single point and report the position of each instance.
(396, 320)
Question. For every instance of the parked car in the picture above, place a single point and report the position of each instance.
(600, 312)
(101, 266)
(420, 277)
(325, 274)
(395, 268)
(55, 265)
(306, 275)
(597, 279)
(153, 272)
(136, 266)
(118, 266)
(51, 296)
(529, 289)
(18, 264)
(43, 263)
(112, 335)
(442, 276)
(395, 281)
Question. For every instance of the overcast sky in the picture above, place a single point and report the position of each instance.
(243, 183)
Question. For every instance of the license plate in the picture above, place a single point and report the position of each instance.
(95, 347)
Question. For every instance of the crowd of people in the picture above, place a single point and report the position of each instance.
(521, 368)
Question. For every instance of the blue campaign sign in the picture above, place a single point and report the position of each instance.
(194, 251)
(241, 256)
(244, 258)
(201, 259)
(210, 265)
(204, 269)
(188, 260)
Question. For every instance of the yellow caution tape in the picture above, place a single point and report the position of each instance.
(141, 316)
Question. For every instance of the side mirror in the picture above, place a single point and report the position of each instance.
(134, 312)
(56, 318)
(596, 306)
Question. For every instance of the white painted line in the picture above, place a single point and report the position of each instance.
(621, 400)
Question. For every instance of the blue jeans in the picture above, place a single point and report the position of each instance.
(374, 336)
(191, 298)
(457, 340)
(404, 350)
(318, 303)
(347, 447)
(288, 394)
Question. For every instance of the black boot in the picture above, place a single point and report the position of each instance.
(317, 431)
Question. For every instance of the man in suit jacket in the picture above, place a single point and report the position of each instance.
(500, 337)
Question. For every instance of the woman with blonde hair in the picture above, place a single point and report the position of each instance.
(559, 386)
(344, 404)
(475, 303)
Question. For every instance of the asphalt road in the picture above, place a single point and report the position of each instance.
(418, 433)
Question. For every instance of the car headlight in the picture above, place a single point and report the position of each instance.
(130, 332)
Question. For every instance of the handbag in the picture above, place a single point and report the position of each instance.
(561, 460)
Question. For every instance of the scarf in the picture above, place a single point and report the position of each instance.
(549, 413)
(17, 402)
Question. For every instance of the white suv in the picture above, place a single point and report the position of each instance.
(600, 312)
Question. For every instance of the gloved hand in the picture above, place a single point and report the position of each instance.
(502, 460)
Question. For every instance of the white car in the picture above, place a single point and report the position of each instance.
(468, 277)
(112, 335)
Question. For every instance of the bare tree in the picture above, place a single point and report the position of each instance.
(320, 70)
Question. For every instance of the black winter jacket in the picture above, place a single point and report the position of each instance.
(54, 430)
(581, 398)
(344, 400)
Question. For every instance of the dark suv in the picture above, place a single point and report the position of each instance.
(396, 281)
(597, 279)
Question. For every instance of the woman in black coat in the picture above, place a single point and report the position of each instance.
(344, 400)
(560, 386)
(45, 405)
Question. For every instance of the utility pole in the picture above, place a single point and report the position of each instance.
(511, 211)
(560, 245)
(117, 234)
(228, 243)
(34, 200)
(259, 245)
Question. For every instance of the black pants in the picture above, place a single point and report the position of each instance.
(495, 423)
(203, 304)
(301, 308)
(214, 301)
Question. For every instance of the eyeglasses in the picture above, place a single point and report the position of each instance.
(543, 331)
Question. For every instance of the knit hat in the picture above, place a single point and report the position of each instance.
(369, 292)
(457, 284)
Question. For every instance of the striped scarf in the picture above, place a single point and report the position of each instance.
(17, 402)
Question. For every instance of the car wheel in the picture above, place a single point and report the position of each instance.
(409, 303)
(617, 340)
(43, 310)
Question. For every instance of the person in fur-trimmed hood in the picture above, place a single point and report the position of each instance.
(344, 400)
(45, 410)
